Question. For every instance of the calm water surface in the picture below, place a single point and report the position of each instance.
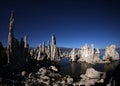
(77, 68)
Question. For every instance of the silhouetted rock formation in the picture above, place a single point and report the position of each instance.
(17, 52)
(3, 56)
(10, 38)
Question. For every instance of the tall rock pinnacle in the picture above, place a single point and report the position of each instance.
(53, 40)
(54, 50)
(25, 42)
(10, 36)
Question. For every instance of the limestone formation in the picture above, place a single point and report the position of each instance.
(17, 52)
(78, 53)
(43, 47)
(111, 54)
(53, 68)
(13, 44)
(43, 76)
(89, 55)
(10, 37)
(54, 49)
(73, 55)
(69, 80)
(39, 52)
(91, 77)
(26, 42)
(92, 73)
(49, 50)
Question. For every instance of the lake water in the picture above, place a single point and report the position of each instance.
(74, 69)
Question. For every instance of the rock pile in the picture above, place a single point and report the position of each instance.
(91, 77)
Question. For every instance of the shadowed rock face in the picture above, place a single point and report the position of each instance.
(10, 38)
(54, 50)
(17, 52)
(53, 40)
(3, 59)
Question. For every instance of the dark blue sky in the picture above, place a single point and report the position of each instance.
(74, 22)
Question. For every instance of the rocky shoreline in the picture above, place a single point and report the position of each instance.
(48, 75)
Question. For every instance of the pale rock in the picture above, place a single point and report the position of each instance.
(42, 71)
(44, 77)
(91, 77)
(92, 73)
(53, 68)
(23, 73)
(63, 83)
(69, 80)
(111, 53)
(43, 47)
(49, 50)
(25, 42)
(54, 50)
(10, 38)
(89, 55)
(73, 55)
(78, 53)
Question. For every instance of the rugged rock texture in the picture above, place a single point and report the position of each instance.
(10, 38)
(17, 52)
(54, 49)
(89, 55)
(43, 47)
(47, 52)
(111, 54)
(91, 77)
(73, 55)
(92, 73)
(42, 77)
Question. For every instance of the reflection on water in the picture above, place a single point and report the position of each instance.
(84, 67)
(109, 67)
(75, 69)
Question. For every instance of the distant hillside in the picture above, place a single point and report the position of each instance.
(63, 49)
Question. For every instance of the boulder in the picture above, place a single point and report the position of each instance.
(42, 71)
(53, 68)
(69, 80)
(92, 73)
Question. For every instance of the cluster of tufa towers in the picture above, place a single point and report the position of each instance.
(50, 51)
(18, 53)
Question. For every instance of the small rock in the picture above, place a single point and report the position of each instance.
(53, 68)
